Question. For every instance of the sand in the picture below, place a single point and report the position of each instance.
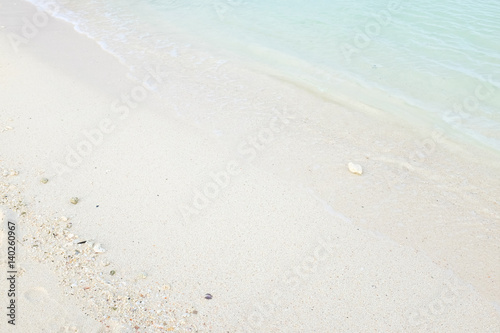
(229, 182)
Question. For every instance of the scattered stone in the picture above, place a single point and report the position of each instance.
(74, 200)
(208, 296)
(10, 172)
(64, 219)
(44, 180)
(82, 274)
(112, 272)
(355, 168)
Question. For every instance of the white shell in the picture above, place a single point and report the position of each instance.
(355, 168)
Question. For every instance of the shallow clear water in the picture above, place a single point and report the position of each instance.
(438, 62)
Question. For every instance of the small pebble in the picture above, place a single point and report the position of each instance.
(74, 200)
(355, 168)
(44, 180)
(98, 248)
(112, 272)
(64, 219)
(208, 296)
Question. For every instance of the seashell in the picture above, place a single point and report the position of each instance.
(355, 168)
(208, 296)
(74, 200)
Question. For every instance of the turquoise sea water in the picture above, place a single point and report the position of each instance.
(437, 62)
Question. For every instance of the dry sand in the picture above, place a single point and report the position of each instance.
(229, 182)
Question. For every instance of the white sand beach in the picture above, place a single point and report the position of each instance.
(219, 179)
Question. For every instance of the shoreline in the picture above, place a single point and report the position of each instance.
(397, 110)
(339, 88)
(251, 245)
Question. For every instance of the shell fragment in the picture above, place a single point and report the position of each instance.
(355, 168)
